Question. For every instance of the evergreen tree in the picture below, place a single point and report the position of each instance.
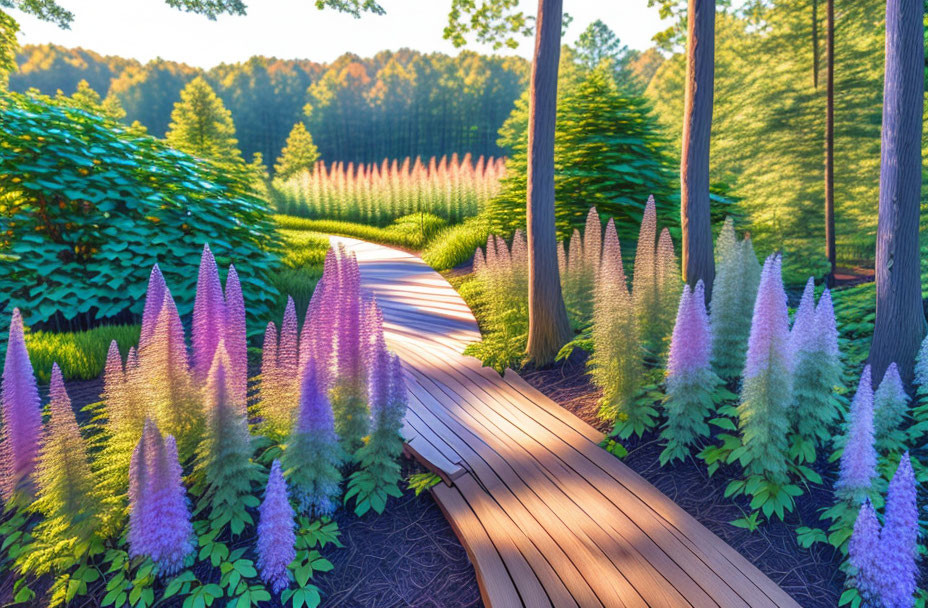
(609, 153)
(201, 125)
(300, 154)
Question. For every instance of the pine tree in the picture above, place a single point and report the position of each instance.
(64, 479)
(766, 392)
(859, 457)
(299, 155)
(202, 126)
(691, 383)
(276, 538)
(22, 415)
(616, 360)
(312, 456)
(224, 470)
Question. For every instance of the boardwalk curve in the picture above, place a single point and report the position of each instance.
(547, 517)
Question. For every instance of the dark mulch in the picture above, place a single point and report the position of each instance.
(811, 576)
(407, 556)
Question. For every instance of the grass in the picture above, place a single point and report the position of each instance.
(80, 355)
(456, 244)
(410, 232)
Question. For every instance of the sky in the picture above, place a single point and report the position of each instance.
(295, 29)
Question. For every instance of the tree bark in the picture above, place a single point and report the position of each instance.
(698, 261)
(900, 320)
(830, 147)
(548, 327)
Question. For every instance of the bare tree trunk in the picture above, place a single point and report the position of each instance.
(815, 43)
(900, 319)
(548, 328)
(698, 261)
(830, 147)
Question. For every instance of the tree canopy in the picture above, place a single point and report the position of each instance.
(201, 125)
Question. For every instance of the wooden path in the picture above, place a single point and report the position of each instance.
(547, 517)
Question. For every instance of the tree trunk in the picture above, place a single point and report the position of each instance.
(900, 320)
(830, 147)
(698, 261)
(548, 328)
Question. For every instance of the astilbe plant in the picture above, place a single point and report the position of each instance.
(280, 386)
(165, 379)
(616, 364)
(22, 416)
(669, 286)
(645, 294)
(224, 471)
(209, 316)
(864, 555)
(159, 515)
(502, 281)
(352, 416)
(578, 270)
(379, 474)
(766, 392)
(814, 342)
(276, 536)
(898, 566)
(890, 408)
(733, 293)
(64, 479)
(691, 383)
(858, 459)
(154, 298)
(236, 336)
(317, 339)
(312, 455)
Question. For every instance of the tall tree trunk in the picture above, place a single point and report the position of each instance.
(548, 328)
(900, 320)
(698, 261)
(830, 147)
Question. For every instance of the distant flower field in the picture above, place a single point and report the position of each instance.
(451, 188)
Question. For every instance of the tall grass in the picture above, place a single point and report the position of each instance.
(452, 189)
(410, 231)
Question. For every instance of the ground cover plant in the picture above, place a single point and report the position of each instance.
(176, 488)
(88, 205)
(452, 189)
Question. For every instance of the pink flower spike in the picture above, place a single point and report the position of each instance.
(236, 336)
(154, 297)
(209, 315)
(22, 414)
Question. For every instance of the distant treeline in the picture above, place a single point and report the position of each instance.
(395, 104)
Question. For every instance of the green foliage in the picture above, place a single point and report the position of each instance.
(411, 232)
(81, 355)
(94, 206)
(455, 245)
(300, 154)
(8, 48)
(498, 23)
(86, 98)
(420, 482)
(202, 126)
(689, 403)
(609, 153)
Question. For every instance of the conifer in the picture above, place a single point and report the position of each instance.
(298, 155)
(202, 126)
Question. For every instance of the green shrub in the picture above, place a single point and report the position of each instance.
(456, 244)
(303, 248)
(80, 355)
(90, 205)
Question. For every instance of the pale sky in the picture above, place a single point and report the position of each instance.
(295, 29)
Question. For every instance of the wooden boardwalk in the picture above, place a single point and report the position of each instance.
(547, 517)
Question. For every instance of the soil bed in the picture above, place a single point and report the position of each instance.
(810, 576)
(407, 556)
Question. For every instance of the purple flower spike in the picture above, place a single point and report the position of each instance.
(379, 378)
(858, 461)
(315, 413)
(288, 353)
(209, 315)
(171, 512)
(864, 552)
(828, 327)
(22, 414)
(691, 344)
(236, 337)
(154, 298)
(768, 345)
(804, 322)
(276, 537)
(898, 568)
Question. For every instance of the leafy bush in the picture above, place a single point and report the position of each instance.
(378, 194)
(90, 205)
(456, 244)
(81, 355)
